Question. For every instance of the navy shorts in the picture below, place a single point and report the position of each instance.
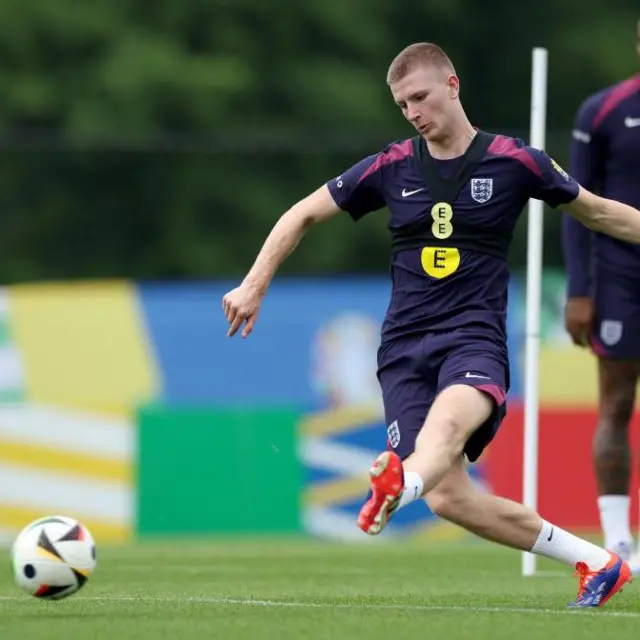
(412, 371)
(616, 330)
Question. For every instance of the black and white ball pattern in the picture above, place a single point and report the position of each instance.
(53, 557)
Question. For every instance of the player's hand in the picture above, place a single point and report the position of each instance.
(241, 306)
(578, 317)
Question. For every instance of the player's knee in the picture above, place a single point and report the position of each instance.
(457, 412)
(446, 432)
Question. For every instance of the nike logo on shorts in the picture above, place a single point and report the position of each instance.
(473, 375)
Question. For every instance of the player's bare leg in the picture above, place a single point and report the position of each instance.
(456, 413)
(457, 499)
(611, 451)
(435, 469)
(602, 574)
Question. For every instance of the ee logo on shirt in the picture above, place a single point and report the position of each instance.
(440, 262)
(442, 213)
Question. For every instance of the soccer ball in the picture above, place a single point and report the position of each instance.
(53, 557)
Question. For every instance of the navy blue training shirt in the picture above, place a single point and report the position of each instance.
(605, 158)
(443, 287)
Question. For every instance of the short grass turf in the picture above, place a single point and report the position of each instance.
(281, 590)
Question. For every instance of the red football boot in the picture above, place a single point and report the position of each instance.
(387, 484)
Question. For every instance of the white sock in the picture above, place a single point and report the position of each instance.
(413, 487)
(558, 544)
(614, 518)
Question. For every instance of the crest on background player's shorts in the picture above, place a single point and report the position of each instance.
(481, 189)
(611, 332)
(393, 433)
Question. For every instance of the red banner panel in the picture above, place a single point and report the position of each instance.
(567, 490)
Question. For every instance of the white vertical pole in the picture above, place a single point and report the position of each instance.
(534, 279)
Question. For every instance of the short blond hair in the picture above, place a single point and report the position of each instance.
(417, 54)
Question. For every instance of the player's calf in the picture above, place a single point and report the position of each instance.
(612, 453)
(458, 500)
(602, 574)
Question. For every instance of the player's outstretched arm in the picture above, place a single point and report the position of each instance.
(241, 305)
(605, 216)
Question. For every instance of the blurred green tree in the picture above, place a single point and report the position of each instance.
(162, 140)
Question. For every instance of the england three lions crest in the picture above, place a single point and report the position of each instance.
(481, 189)
(611, 332)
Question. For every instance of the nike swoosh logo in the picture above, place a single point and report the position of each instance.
(406, 194)
(631, 123)
(582, 136)
(472, 375)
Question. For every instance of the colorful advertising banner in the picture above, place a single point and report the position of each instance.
(96, 379)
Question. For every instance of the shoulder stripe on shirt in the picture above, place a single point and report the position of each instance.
(394, 153)
(508, 147)
(619, 94)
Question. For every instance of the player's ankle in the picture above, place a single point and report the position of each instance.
(614, 519)
(558, 544)
(413, 488)
(622, 548)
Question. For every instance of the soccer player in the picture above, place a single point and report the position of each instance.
(603, 296)
(454, 194)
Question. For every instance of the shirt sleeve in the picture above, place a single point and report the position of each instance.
(358, 190)
(585, 165)
(585, 162)
(552, 183)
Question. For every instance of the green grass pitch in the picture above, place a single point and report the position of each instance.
(294, 590)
